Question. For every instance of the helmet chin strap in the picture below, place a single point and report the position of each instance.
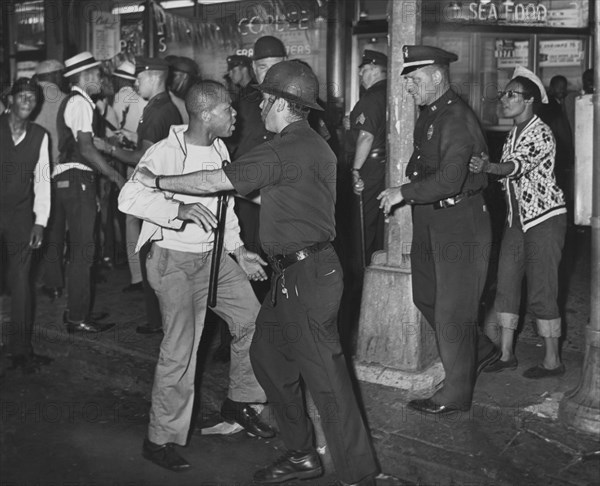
(267, 108)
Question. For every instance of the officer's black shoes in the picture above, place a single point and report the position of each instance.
(165, 456)
(247, 417)
(427, 405)
(292, 465)
(52, 293)
(491, 358)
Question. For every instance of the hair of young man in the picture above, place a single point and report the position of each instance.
(204, 96)
(559, 78)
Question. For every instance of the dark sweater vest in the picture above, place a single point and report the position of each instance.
(67, 145)
(17, 165)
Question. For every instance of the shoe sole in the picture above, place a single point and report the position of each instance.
(248, 433)
(499, 370)
(488, 361)
(315, 473)
(147, 456)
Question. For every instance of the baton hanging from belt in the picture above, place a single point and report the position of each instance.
(215, 262)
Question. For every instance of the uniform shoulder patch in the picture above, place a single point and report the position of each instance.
(360, 119)
(430, 132)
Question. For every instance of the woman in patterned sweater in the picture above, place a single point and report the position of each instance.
(535, 228)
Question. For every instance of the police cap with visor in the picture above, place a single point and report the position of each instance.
(417, 57)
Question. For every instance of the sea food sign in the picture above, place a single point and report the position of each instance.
(487, 12)
(512, 12)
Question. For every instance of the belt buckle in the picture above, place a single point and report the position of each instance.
(302, 254)
(449, 202)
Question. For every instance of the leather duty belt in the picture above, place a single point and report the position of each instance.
(280, 262)
(454, 200)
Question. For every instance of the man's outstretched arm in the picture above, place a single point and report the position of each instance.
(196, 183)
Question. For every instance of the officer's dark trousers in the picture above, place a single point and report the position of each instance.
(298, 339)
(73, 206)
(449, 257)
(15, 231)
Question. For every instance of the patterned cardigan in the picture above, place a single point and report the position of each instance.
(539, 197)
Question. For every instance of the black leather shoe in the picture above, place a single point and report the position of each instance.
(136, 287)
(29, 363)
(427, 405)
(98, 316)
(88, 326)
(292, 465)
(52, 293)
(94, 316)
(246, 416)
(491, 358)
(165, 456)
(146, 329)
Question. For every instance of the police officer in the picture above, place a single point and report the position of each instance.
(183, 73)
(367, 150)
(268, 51)
(157, 118)
(296, 334)
(451, 226)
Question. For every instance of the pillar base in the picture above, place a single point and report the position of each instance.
(580, 408)
(392, 333)
(424, 381)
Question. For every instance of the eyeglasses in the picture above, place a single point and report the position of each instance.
(511, 93)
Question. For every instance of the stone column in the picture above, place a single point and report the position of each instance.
(396, 346)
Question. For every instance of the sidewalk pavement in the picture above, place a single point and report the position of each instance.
(511, 436)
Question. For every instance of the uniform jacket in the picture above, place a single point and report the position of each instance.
(159, 209)
(446, 135)
(532, 180)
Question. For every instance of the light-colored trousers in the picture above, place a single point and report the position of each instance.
(133, 226)
(180, 280)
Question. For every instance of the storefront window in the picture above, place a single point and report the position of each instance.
(30, 36)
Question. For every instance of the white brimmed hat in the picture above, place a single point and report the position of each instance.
(526, 73)
(126, 70)
(80, 62)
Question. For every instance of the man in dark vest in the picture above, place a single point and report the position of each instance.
(74, 186)
(24, 211)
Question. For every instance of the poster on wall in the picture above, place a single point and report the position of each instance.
(560, 53)
(511, 53)
(105, 35)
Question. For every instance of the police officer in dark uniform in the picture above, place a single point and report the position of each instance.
(367, 147)
(249, 129)
(296, 338)
(158, 116)
(451, 226)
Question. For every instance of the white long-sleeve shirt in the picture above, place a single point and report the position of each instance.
(159, 210)
(41, 182)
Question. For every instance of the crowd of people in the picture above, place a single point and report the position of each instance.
(169, 151)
